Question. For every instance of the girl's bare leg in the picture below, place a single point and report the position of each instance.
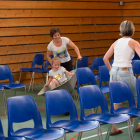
(54, 83)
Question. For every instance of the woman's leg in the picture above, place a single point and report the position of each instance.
(54, 84)
(113, 78)
(114, 129)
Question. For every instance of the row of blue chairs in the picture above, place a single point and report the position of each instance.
(24, 108)
(20, 108)
(85, 76)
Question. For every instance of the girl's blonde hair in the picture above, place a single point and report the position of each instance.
(55, 59)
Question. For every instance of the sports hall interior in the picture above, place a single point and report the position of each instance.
(93, 25)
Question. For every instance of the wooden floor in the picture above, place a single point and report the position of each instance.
(40, 100)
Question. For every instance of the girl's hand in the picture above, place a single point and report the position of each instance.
(79, 57)
(71, 74)
(139, 77)
(46, 85)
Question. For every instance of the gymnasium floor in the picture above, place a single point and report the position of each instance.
(40, 100)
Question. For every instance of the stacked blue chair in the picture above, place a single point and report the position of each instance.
(22, 109)
(104, 77)
(91, 96)
(84, 76)
(98, 61)
(82, 63)
(136, 66)
(38, 60)
(120, 92)
(2, 137)
(59, 102)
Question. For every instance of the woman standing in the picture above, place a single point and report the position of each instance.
(121, 70)
(58, 46)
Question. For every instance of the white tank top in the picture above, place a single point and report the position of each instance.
(123, 54)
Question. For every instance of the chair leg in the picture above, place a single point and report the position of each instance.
(135, 125)
(132, 134)
(44, 78)
(15, 93)
(64, 137)
(108, 132)
(77, 99)
(20, 76)
(30, 82)
(4, 101)
(47, 75)
(25, 89)
(129, 129)
(33, 81)
(100, 132)
(79, 136)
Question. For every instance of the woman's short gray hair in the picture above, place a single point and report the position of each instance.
(127, 28)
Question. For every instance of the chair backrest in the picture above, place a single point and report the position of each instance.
(22, 109)
(136, 66)
(120, 92)
(90, 97)
(103, 74)
(82, 63)
(138, 92)
(1, 130)
(84, 76)
(5, 73)
(47, 63)
(98, 61)
(71, 58)
(59, 102)
(38, 60)
(136, 57)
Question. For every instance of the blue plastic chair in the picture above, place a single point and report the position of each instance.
(104, 77)
(120, 92)
(38, 60)
(98, 61)
(59, 102)
(136, 57)
(2, 137)
(91, 96)
(22, 109)
(84, 76)
(136, 66)
(5, 73)
(138, 92)
(82, 63)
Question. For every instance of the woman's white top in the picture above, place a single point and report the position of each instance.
(61, 51)
(123, 54)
